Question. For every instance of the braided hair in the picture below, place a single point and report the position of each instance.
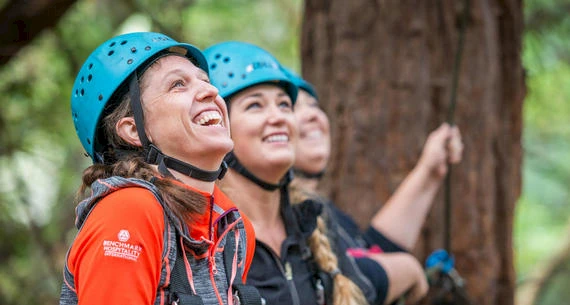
(345, 290)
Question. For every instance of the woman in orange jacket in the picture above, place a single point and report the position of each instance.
(154, 228)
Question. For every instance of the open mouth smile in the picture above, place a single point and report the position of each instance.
(209, 118)
(276, 138)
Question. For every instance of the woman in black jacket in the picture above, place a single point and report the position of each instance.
(396, 226)
(294, 262)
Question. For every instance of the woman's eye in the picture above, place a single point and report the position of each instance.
(253, 105)
(285, 104)
(177, 83)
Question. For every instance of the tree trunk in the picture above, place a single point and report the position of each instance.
(383, 71)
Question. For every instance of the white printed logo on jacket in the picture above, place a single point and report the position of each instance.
(120, 248)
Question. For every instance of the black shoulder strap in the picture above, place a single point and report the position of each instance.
(322, 281)
(180, 291)
(243, 294)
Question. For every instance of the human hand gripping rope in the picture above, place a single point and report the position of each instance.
(440, 264)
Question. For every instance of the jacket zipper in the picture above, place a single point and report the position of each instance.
(287, 272)
(212, 253)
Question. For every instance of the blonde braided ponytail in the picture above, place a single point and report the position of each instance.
(345, 291)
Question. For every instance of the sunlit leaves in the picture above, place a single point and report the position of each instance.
(543, 210)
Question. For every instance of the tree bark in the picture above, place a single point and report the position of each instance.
(383, 71)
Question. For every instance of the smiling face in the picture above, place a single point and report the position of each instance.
(264, 131)
(184, 115)
(313, 147)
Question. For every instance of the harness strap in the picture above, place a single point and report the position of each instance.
(322, 281)
(243, 294)
(181, 292)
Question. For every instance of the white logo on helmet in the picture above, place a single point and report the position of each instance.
(124, 235)
(260, 65)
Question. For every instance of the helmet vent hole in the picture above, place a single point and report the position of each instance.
(133, 50)
(90, 66)
(147, 48)
(82, 79)
(224, 84)
(226, 60)
(88, 141)
(231, 75)
(123, 42)
(130, 61)
(82, 92)
(213, 66)
(110, 53)
(76, 92)
(113, 44)
(100, 97)
(243, 76)
(89, 77)
(217, 56)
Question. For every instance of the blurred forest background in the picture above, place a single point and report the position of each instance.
(41, 159)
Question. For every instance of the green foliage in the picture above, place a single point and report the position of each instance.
(273, 25)
(547, 105)
(536, 235)
(543, 210)
(557, 287)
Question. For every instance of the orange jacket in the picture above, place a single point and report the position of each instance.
(119, 254)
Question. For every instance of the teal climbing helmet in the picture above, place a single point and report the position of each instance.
(107, 71)
(235, 66)
(300, 82)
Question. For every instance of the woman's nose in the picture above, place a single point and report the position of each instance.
(306, 114)
(206, 91)
(276, 114)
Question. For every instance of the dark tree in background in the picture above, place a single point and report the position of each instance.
(22, 21)
(383, 70)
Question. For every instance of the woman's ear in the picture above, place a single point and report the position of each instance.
(127, 130)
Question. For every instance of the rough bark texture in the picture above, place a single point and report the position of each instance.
(383, 70)
(22, 20)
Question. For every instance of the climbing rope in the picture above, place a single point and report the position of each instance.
(450, 119)
(440, 265)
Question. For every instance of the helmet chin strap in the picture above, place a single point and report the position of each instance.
(233, 162)
(307, 175)
(153, 155)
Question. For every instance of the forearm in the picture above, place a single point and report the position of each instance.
(403, 215)
(405, 276)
